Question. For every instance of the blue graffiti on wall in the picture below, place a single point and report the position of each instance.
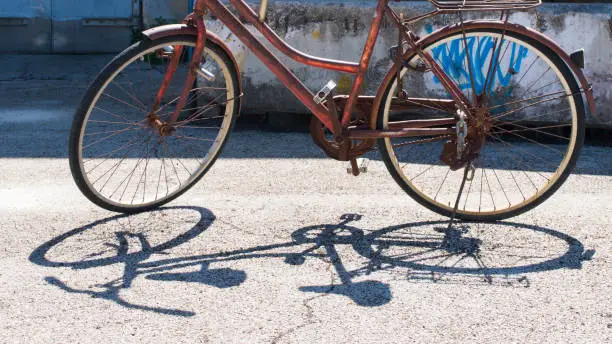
(452, 58)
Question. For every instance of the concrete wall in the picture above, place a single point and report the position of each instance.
(339, 31)
(314, 26)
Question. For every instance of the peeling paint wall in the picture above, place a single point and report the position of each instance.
(170, 11)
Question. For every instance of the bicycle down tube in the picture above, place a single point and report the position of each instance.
(272, 62)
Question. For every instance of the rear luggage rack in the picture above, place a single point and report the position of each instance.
(468, 5)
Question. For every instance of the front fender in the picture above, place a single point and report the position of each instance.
(183, 29)
(499, 25)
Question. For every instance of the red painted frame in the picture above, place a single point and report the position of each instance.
(283, 73)
(339, 127)
(289, 79)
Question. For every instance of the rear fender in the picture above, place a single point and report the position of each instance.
(586, 88)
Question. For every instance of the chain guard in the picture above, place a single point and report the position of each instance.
(344, 150)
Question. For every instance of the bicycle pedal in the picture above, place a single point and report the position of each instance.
(322, 95)
(362, 166)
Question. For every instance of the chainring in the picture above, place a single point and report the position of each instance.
(346, 149)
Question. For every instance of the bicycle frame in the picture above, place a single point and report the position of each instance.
(459, 129)
(339, 127)
(288, 78)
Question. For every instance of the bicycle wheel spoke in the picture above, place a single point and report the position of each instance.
(128, 176)
(527, 72)
(144, 172)
(204, 109)
(131, 95)
(110, 132)
(179, 160)
(504, 114)
(443, 180)
(126, 145)
(532, 118)
(531, 114)
(467, 196)
(193, 138)
(502, 131)
(116, 164)
(556, 82)
(499, 61)
(143, 111)
(484, 170)
(536, 129)
(120, 117)
(421, 173)
(547, 162)
(105, 138)
(196, 127)
(111, 175)
(466, 48)
(528, 99)
(502, 187)
(126, 163)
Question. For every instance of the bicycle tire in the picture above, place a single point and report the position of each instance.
(560, 174)
(139, 52)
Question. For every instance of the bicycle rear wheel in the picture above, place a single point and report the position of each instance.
(536, 114)
(118, 159)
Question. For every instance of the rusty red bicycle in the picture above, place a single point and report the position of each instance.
(481, 120)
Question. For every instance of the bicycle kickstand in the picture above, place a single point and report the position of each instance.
(466, 172)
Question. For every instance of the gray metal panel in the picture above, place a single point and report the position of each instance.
(25, 26)
(72, 36)
(92, 26)
(76, 9)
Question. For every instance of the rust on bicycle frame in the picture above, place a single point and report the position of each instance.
(193, 19)
(176, 56)
(585, 87)
(253, 18)
(270, 60)
(400, 129)
(368, 50)
(279, 69)
(288, 78)
(197, 18)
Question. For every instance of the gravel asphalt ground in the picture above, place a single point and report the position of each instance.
(279, 245)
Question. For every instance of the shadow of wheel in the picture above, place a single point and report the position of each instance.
(108, 241)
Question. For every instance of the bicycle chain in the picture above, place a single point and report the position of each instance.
(432, 139)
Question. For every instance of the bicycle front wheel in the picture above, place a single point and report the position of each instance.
(531, 102)
(123, 163)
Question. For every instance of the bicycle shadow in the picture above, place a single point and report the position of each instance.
(418, 251)
(221, 278)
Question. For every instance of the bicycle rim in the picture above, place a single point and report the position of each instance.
(537, 125)
(123, 164)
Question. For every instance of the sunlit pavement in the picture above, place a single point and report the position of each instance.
(279, 244)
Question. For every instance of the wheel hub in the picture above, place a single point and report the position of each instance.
(161, 127)
(469, 139)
